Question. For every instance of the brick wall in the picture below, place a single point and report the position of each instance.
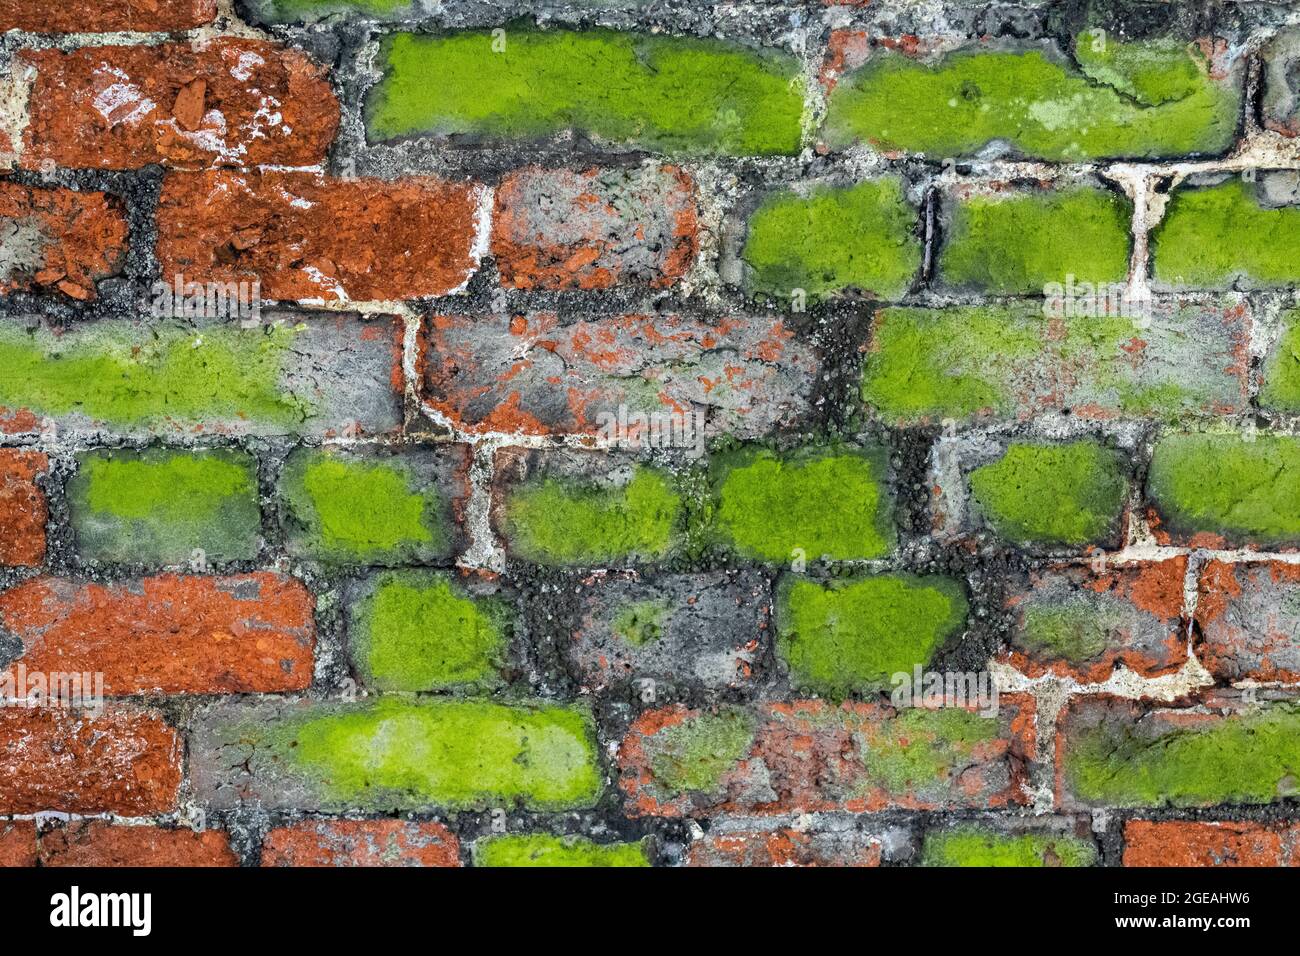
(466, 434)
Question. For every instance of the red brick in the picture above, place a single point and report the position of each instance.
(172, 634)
(23, 510)
(808, 756)
(1249, 619)
(60, 239)
(361, 843)
(1183, 843)
(785, 847)
(17, 843)
(1137, 610)
(124, 761)
(97, 843)
(530, 374)
(116, 107)
(562, 229)
(105, 16)
(308, 237)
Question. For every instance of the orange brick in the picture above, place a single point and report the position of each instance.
(97, 843)
(361, 843)
(23, 510)
(1181, 843)
(103, 16)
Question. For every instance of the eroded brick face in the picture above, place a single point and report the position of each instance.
(99, 844)
(89, 17)
(1179, 843)
(60, 239)
(23, 509)
(361, 843)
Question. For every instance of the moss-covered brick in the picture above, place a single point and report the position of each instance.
(1022, 242)
(830, 502)
(831, 239)
(695, 754)
(676, 95)
(1067, 494)
(1011, 361)
(1210, 488)
(344, 508)
(312, 11)
(984, 846)
(1117, 755)
(396, 753)
(164, 507)
(1148, 99)
(852, 635)
(559, 520)
(540, 849)
(1279, 385)
(420, 630)
(1222, 236)
(640, 622)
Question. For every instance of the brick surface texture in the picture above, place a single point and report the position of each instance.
(454, 435)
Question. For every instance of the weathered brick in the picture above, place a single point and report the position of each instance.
(852, 635)
(59, 239)
(1079, 233)
(361, 843)
(1279, 386)
(98, 843)
(23, 508)
(1186, 843)
(1141, 100)
(710, 629)
(394, 753)
(375, 506)
(594, 229)
(326, 376)
(529, 374)
(1280, 105)
(228, 102)
(1208, 490)
(814, 243)
(1113, 752)
(539, 849)
(1081, 622)
(163, 507)
(1006, 361)
(786, 846)
(1010, 844)
(17, 843)
(423, 630)
(815, 502)
(168, 634)
(583, 508)
(677, 95)
(103, 16)
(1052, 495)
(307, 237)
(1227, 232)
(312, 11)
(1249, 620)
(810, 756)
(124, 761)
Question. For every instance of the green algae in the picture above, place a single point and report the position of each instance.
(827, 502)
(641, 622)
(861, 237)
(1280, 383)
(419, 631)
(671, 94)
(696, 754)
(1070, 494)
(851, 636)
(1072, 633)
(977, 846)
(539, 849)
(920, 750)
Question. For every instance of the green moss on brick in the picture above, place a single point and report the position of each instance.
(538, 849)
(851, 636)
(1250, 758)
(161, 507)
(861, 237)
(921, 749)
(1070, 633)
(404, 754)
(640, 622)
(1133, 100)
(696, 754)
(554, 521)
(310, 11)
(670, 94)
(1244, 490)
(1070, 494)
(977, 846)
(112, 373)
(420, 631)
(1022, 242)
(828, 502)
(1280, 384)
(1218, 236)
(361, 512)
